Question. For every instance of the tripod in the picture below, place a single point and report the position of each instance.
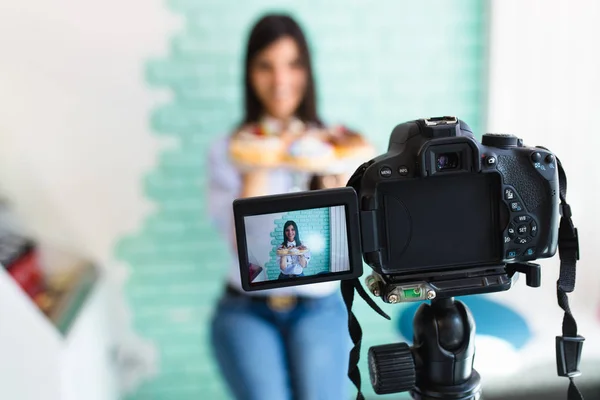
(439, 365)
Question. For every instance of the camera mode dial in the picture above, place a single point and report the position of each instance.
(499, 140)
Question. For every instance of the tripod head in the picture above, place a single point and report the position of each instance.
(439, 365)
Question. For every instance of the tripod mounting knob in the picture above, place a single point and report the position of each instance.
(392, 368)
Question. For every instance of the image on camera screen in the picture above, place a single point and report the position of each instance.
(296, 244)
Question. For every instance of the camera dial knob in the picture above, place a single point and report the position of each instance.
(499, 140)
(392, 368)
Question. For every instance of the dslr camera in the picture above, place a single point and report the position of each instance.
(439, 215)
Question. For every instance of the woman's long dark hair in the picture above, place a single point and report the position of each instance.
(296, 238)
(267, 30)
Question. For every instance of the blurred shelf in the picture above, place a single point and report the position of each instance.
(55, 342)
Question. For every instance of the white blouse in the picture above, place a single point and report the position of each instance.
(224, 186)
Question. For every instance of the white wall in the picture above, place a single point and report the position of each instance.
(544, 86)
(258, 236)
(339, 256)
(61, 64)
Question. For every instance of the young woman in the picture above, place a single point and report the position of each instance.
(292, 265)
(289, 342)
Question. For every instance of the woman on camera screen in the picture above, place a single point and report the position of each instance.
(296, 256)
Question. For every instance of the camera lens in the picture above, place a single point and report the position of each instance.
(445, 161)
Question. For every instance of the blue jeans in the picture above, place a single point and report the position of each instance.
(299, 354)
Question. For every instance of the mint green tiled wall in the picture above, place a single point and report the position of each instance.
(310, 223)
(376, 64)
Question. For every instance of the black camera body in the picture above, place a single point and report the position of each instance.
(442, 209)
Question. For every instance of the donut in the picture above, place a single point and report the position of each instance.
(254, 147)
(309, 152)
(349, 144)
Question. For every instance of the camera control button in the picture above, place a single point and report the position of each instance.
(522, 218)
(385, 172)
(536, 157)
(509, 194)
(490, 160)
(515, 206)
(512, 231)
(529, 252)
(403, 170)
(533, 228)
(522, 230)
(550, 158)
(512, 253)
(523, 240)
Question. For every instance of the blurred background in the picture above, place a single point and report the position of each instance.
(106, 112)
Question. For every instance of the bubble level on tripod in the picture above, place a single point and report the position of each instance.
(413, 293)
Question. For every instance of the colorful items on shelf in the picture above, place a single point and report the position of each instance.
(56, 281)
(19, 256)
